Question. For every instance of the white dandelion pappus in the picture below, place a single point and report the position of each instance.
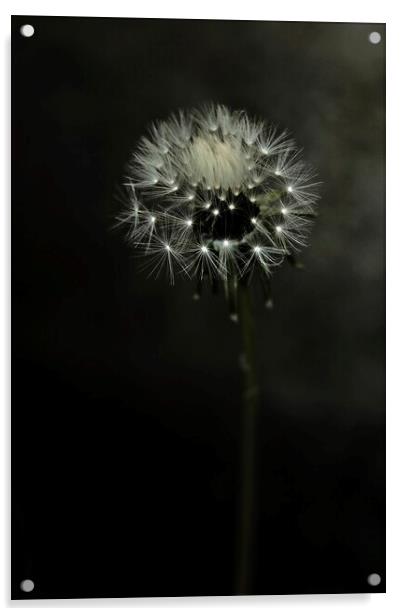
(214, 193)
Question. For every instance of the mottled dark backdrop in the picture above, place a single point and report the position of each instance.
(126, 393)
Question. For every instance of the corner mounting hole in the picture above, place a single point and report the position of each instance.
(27, 30)
(27, 585)
(374, 579)
(374, 38)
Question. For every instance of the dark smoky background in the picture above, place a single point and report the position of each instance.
(126, 392)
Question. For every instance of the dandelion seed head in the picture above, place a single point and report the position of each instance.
(216, 161)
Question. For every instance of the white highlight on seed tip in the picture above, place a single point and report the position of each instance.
(152, 218)
(204, 249)
(231, 206)
(289, 189)
(284, 211)
(215, 212)
(254, 221)
(278, 229)
(189, 223)
(226, 243)
(167, 247)
(257, 249)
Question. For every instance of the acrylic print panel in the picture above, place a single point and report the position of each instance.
(223, 434)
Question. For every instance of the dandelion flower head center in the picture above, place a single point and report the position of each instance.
(229, 222)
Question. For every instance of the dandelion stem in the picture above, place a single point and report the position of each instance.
(248, 444)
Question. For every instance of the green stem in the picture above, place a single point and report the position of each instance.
(248, 443)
